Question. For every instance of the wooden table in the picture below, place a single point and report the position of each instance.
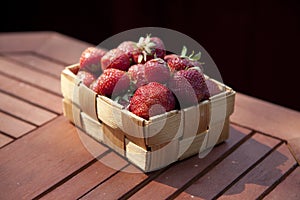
(41, 155)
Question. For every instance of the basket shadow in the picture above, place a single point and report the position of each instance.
(214, 176)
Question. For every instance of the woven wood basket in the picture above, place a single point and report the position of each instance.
(149, 144)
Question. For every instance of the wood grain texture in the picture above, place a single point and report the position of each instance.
(288, 189)
(13, 126)
(20, 42)
(4, 140)
(31, 94)
(39, 160)
(266, 117)
(117, 185)
(51, 159)
(230, 168)
(30, 76)
(169, 181)
(262, 176)
(84, 181)
(294, 146)
(62, 48)
(24, 110)
(38, 63)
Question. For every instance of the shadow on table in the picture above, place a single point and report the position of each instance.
(214, 178)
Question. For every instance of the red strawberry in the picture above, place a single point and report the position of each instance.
(86, 77)
(111, 83)
(189, 87)
(129, 48)
(176, 62)
(156, 70)
(152, 99)
(137, 75)
(94, 85)
(115, 58)
(90, 59)
(213, 87)
(149, 48)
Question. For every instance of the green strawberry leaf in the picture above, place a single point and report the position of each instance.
(183, 51)
(197, 56)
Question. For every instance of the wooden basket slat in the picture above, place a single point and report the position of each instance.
(87, 101)
(192, 145)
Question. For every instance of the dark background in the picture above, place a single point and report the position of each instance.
(255, 44)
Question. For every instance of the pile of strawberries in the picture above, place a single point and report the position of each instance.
(140, 76)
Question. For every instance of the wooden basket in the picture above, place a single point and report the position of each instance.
(149, 144)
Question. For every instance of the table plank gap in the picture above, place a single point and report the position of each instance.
(190, 167)
(263, 177)
(278, 181)
(70, 176)
(31, 95)
(24, 111)
(52, 105)
(35, 162)
(103, 181)
(119, 184)
(5, 139)
(288, 188)
(30, 76)
(37, 63)
(257, 131)
(51, 59)
(144, 183)
(70, 53)
(230, 168)
(294, 147)
(14, 127)
(247, 171)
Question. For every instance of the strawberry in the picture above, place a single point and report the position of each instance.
(213, 87)
(111, 83)
(129, 48)
(152, 99)
(189, 87)
(90, 60)
(137, 75)
(149, 48)
(176, 62)
(156, 70)
(86, 77)
(94, 85)
(115, 58)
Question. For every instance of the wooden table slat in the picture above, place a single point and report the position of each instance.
(4, 140)
(20, 42)
(69, 54)
(117, 185)
(39, 160)
(294, 146)
(288, 189)
(266, 117)
(24, 110)
(262, 176)
(14, 127)
(230, 168)
(30, 76)
(38, 63)
(31, 94)
(84, 181)
(169, 181)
